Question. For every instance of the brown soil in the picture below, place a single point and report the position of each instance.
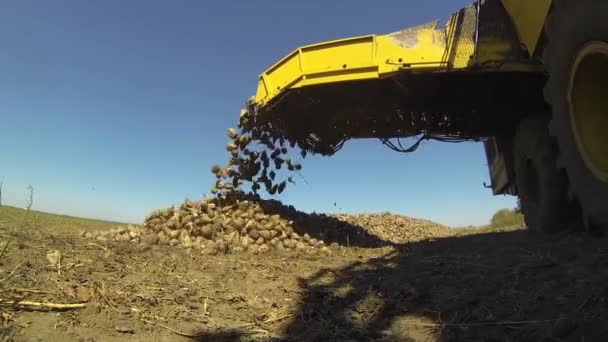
(471, 286)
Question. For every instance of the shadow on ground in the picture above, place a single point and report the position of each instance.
(324, 227)
(509, 286)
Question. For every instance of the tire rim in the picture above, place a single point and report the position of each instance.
(588, 102)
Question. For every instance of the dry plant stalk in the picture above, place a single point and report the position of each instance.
(178, 332)
(20, 290)
(10, 275)
(4, 248)
(39, 305)
(478, 324)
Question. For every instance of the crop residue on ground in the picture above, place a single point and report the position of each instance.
(378, 286)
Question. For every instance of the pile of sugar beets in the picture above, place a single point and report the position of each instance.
(232, 224)
(235, 220)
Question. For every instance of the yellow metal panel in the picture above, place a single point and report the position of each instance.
(364, 57)
(358, 52)
(417, 47)
(420, 48)
(282, 74)
(339, 76)
(262, 92)
(529, 18)
(333, 61)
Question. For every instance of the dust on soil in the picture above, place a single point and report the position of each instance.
(493, 286)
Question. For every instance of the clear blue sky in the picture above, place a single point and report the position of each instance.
(113, 108)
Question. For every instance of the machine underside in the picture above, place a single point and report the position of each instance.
(441, 105)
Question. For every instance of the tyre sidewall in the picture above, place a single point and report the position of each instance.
(586, 22)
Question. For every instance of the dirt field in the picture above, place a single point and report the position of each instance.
(475, 285)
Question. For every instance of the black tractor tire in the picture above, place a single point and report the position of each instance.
(541, 186)
(570, 25)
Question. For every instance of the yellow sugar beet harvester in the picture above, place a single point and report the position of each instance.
(528, 78)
